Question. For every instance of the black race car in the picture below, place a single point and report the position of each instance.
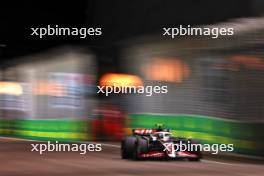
(159, 143)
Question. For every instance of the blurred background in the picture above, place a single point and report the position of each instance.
(215, 86)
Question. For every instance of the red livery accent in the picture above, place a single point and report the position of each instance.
(153, 154)
(143, 131)
(186, 154)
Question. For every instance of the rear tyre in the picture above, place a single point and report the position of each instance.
(128, 146)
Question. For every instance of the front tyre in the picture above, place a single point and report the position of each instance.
(194, 159)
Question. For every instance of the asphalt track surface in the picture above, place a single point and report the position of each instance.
(16, 159)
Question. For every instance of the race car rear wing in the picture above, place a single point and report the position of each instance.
(143, 131)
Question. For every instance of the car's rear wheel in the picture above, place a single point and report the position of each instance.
(128, 146)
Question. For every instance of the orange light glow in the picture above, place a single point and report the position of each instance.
(11, 88)
(120, 80)
(167, 69)
(235, 63)
(250, 62)
(48, 88)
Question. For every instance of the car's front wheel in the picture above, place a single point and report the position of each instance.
(194, 159)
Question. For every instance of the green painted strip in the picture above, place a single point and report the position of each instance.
(67, 129)
(46, 125)
(245, 136)
(199, 123)
(42, 138)
(64, 135)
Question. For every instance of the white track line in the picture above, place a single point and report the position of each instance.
(105, 144)
(217, 162)
(19, 139)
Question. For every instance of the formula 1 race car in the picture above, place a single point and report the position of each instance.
(158, 143)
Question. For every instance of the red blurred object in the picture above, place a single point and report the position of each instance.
(109, 124)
